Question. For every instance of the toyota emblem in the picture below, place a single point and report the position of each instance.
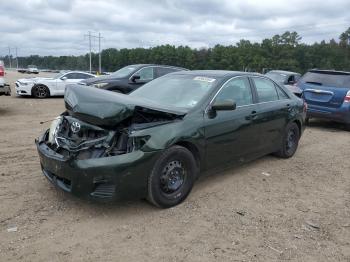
(75, 127)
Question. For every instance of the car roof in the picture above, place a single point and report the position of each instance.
(217, 73)
(335, 72)
(284, 72)
(73, 71)
(144, 65)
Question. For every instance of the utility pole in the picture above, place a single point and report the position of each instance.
(99, 53)
(16, 58)
(10, 57)
(99, 50)
(90, 50)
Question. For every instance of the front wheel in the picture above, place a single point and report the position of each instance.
(172, 177)
(290, 141)
(40, 91)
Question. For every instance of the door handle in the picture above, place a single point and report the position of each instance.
(252, 115)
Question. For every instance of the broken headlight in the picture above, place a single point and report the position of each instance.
(137, 142)
(53, 129)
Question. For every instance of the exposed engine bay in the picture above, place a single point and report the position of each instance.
(73, 137)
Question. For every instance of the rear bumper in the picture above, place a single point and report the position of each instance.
(109, 178)
(340, 114)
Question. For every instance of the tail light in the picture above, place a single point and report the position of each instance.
(347, 97)
(2, 71)
(305, 107)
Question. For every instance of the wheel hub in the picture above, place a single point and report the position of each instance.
(173, 177)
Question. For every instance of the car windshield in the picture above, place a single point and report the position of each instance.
(124, 72)
(277, 77)
(327, 79)
(183, 91)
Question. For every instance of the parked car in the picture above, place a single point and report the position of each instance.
(32, 69)
(327, 93)
(155, 142)
(286, 78)
(129, 78)
(4, 88)
(41, 87)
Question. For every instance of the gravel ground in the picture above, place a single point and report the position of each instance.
(298, 210)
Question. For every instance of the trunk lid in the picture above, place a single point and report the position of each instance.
(325, 88)
(106, 108)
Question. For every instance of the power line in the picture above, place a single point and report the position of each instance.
(99, 37)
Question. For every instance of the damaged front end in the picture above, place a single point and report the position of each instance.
(96, 152)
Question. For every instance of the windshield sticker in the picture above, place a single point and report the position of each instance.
(204, 79)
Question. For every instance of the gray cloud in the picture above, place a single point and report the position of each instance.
(57, 27)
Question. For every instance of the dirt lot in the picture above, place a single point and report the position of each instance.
(298, 211)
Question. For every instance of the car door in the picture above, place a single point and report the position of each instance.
(145, 75)
(273, 112)
(63, 81)
(231, 135)
(69, 78)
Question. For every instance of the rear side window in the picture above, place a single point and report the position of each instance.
(327, 79)
(165, 70)
(82, 76)
(281, 93)
(266, 90)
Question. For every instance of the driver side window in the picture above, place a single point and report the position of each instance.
(70, 76)
(146, 74)
(238, 90)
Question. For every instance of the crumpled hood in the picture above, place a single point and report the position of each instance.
(101, 107)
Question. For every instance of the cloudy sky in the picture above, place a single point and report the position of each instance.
(57, 27)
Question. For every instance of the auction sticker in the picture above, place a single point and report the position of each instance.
(204, 79)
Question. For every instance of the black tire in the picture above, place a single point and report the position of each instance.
(172, 177)
(347, 127)
(40, 91)
(8, 93)
(307, 120)
(290, 141)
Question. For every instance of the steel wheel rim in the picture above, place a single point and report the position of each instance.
(173, 177)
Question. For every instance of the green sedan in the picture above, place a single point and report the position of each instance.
(155, 142)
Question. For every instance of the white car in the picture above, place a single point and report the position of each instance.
(41, 87)
(32, 69)
(4, 88)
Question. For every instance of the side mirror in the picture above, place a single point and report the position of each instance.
(135, 77)
(64, 78)
(225, 105)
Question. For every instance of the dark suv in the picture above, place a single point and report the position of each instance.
(131, 77)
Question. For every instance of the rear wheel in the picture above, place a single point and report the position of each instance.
(172, 177)
(290, 141)
(40, 91)
(307, 120)
(347, 127)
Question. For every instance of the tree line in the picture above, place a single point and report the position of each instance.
(283, 51)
